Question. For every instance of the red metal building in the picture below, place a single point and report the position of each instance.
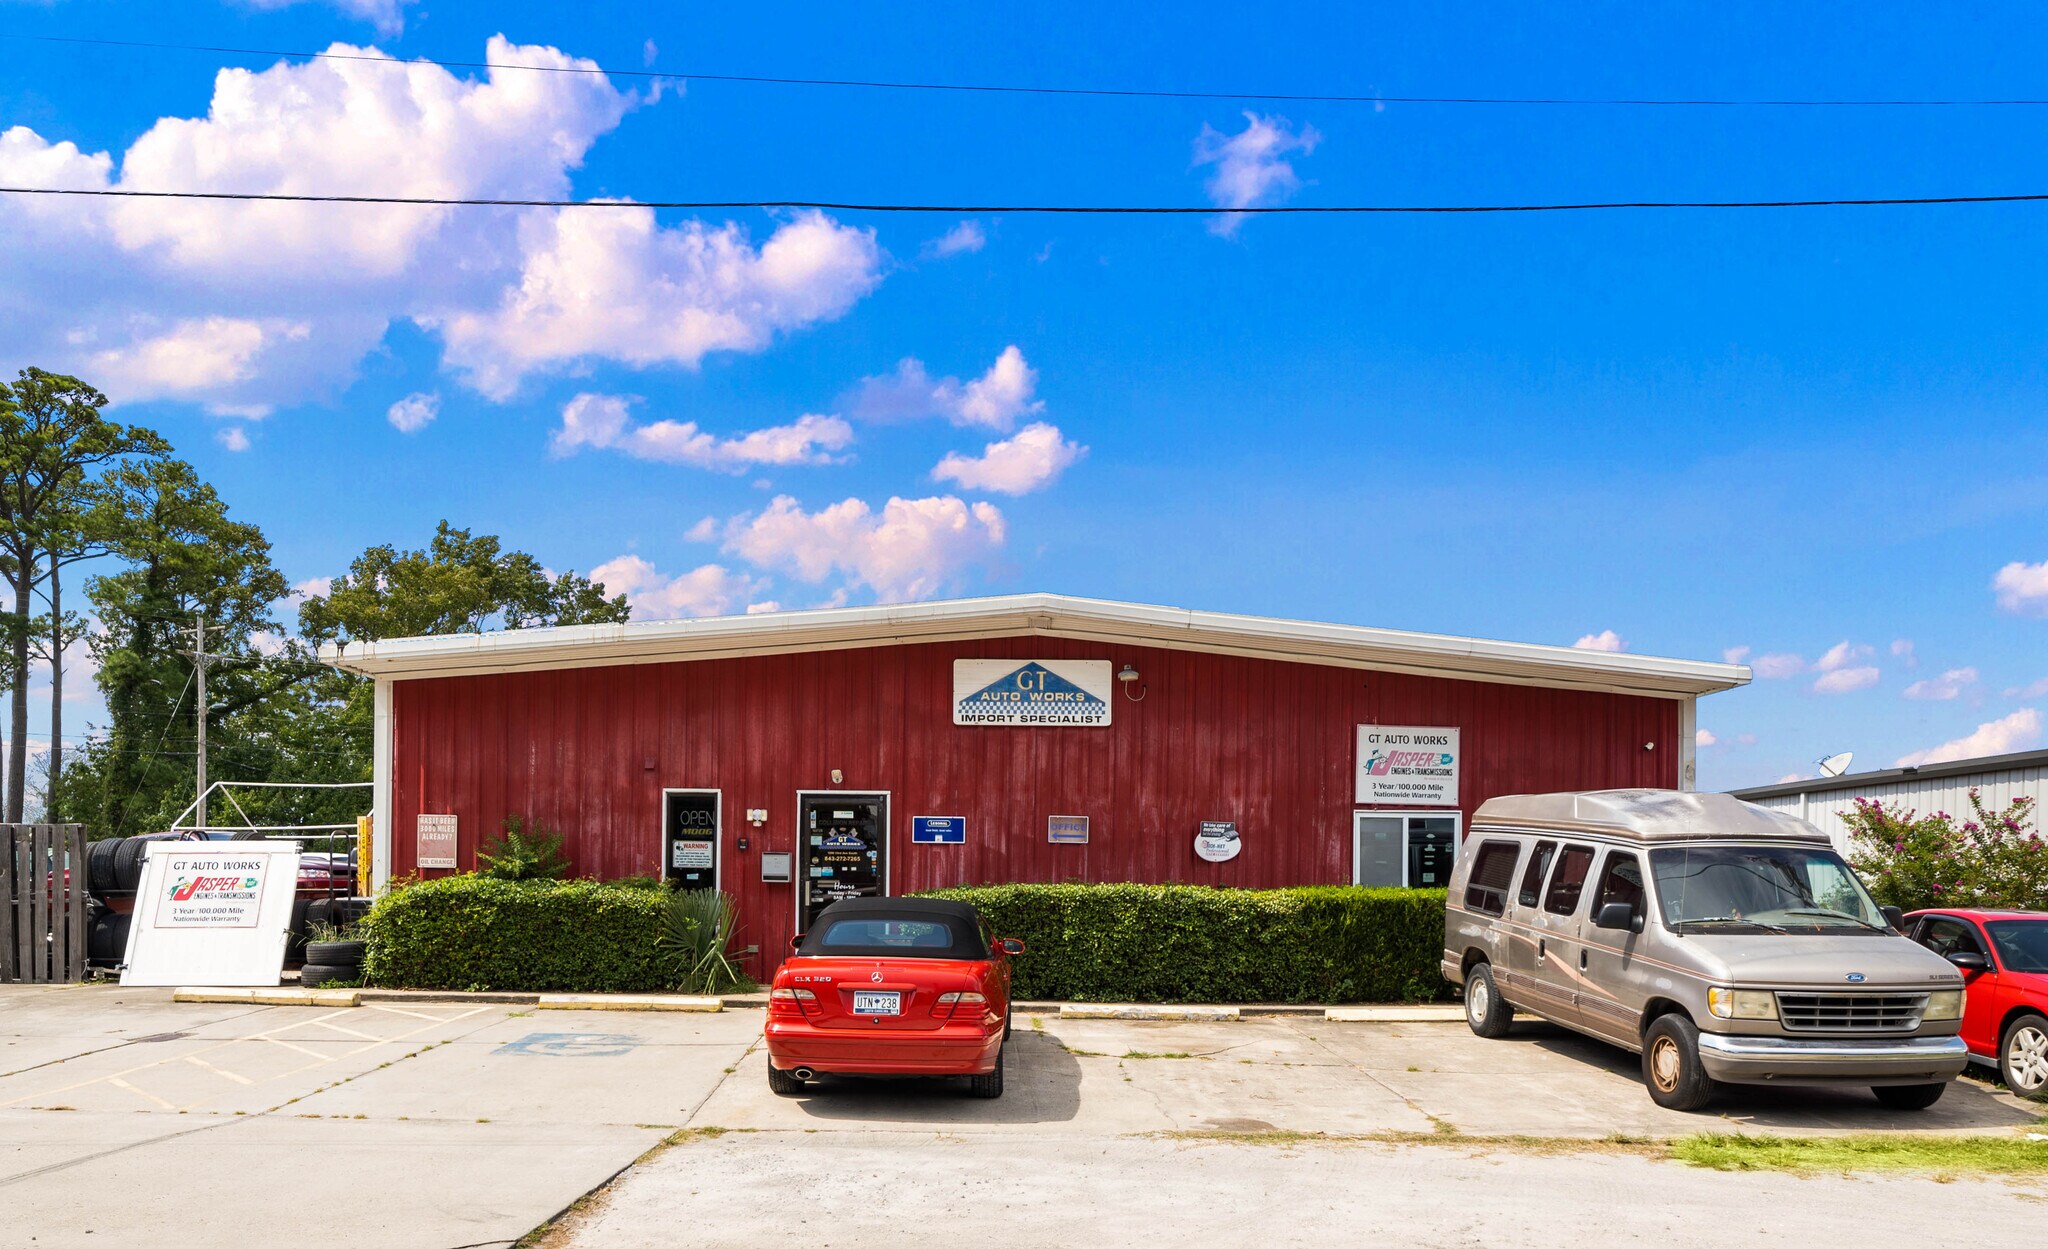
(793, 757)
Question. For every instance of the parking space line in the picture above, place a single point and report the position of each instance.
(315, 1055)
(204, 1065)
(119, 1083)
(335, 1027)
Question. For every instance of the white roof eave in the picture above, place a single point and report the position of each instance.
(1051, 615)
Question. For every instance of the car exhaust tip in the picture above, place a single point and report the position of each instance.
(803, 1073)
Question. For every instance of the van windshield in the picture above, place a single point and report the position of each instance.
(1762, 889)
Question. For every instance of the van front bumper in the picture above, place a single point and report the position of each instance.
(1797, 1060)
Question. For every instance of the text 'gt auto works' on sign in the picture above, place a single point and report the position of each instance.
(1048, 693)
(1405, 763)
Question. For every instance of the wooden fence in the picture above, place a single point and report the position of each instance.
(42, 903)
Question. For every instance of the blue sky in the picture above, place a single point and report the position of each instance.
(1814, 434)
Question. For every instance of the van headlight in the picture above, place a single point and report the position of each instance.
(1944, 1004)
(1742, 1003)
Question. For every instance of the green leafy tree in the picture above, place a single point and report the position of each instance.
(185, 558)
(1992, 859)
(459, 584)
(54, 446)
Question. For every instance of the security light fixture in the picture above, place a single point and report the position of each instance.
(1127, 676)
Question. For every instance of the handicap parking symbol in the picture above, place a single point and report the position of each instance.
(572, 1044)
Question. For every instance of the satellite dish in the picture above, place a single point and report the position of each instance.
(1835, 765)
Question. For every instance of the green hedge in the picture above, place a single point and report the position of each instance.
(468, 932)
(1193, 943)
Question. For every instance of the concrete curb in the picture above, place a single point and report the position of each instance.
(273, 997)
(627, 1001)
(1111, 1010)
(1395, 1014)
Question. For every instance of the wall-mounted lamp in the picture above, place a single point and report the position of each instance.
(838, 777)
(1127, 677)
(1649, 745)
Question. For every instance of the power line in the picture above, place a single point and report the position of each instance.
(1015, 89)
(1015, 209)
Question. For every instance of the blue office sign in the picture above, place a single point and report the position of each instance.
(938, 830)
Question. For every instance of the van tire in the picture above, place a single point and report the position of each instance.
(990, 1085)
(1910, 1096)
(1671, 1064)
(2019, 1056)
(783, 1083)
(1486, 1010)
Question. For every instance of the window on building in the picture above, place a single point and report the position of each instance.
(1492, 872)
(1568, 882)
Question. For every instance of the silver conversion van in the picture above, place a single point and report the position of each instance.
(1723, 942)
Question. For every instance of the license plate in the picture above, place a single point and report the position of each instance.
(878, 1003)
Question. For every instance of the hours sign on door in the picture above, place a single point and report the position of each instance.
(1406, 764)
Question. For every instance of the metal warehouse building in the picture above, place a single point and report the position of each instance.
(1928, 788)
(793, 758)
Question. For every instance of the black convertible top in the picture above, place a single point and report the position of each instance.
(962, 924)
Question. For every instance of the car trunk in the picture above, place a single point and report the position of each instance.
(854, 992)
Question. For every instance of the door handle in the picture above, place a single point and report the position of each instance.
(1540, 949)
(1582, 960)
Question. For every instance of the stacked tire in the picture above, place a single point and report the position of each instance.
(113, 872)
(330, 961)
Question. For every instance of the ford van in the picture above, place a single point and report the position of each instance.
(1723, 942)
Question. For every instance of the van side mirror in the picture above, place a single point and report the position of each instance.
(796, 943)
(1893, 916)
(1010, 945)
(1970, 960)
(1617, 915)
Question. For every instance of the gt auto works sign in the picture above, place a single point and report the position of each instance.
(1047, 693)
(212, 913)
(1408, 764)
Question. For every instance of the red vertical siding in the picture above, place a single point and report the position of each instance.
(1266, 743)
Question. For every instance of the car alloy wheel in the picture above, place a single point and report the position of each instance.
(1665, 1063)
(2026, 1059)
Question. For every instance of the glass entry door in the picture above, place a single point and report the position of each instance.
(842, 848)
(1399, 849)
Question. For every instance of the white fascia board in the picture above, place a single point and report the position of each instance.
(1351, 646)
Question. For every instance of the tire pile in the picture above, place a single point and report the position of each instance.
(329, 961)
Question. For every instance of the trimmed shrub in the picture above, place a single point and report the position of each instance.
(472, 932)
(1194, 943)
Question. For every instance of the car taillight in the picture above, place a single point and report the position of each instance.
(791, 1001)
(960, 1006)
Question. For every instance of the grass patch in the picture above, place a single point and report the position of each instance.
(1960, 1155)
(1145, 1054)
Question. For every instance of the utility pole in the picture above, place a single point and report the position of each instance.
(199, 661)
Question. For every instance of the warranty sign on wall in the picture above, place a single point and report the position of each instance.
(1408, 765)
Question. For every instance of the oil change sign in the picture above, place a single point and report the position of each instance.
(1047, 693)
(1408, 764)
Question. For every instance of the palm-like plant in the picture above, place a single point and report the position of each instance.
(695, 941)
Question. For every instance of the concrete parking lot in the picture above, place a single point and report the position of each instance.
(465, 1124)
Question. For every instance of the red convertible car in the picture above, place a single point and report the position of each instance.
(892, 986)
(2004, 959)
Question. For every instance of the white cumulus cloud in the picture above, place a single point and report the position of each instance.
(414, 413)
(968, 236)
(1704, 738)
(1251, 165)
(1943, 688)
(1605, 640)
(1845, 680)
(2019, 731)
(995, 400)
(233, 437)
(707, 590)
(2023, 588)
(2034, 690)
(611, 283)
(1029, 460)
(1735, 654)
(594, 420)
(911, 549)
(1778, 666)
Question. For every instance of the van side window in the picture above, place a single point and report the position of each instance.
(1621, 880)
(1568, 882)
(1487, 889)
(1532, 880)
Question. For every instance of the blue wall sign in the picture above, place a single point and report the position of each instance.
(938, 830)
